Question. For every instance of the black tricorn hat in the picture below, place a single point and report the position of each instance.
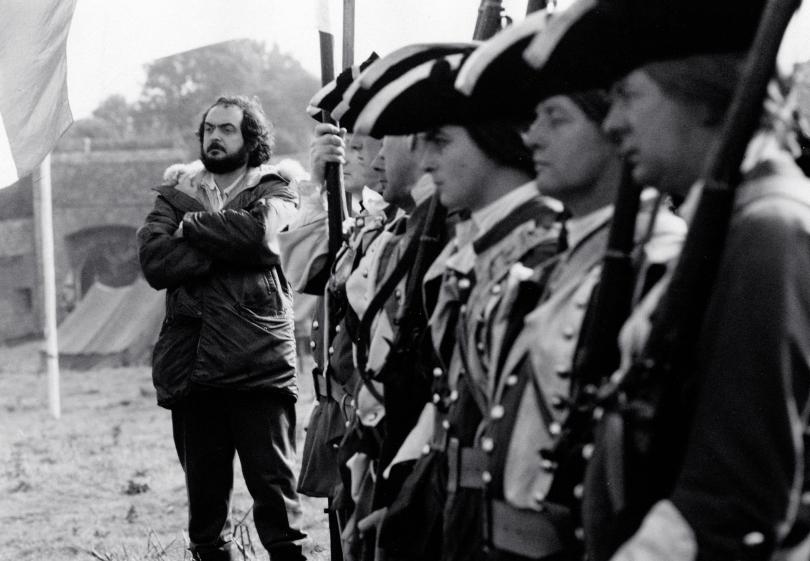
(422, 98)
(496, 70)
(383, 71)
(594, 42)
(330, 95)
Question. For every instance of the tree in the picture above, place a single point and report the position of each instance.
(178, 88)
(116, 111)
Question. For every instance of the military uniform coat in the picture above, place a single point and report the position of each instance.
(739, 489)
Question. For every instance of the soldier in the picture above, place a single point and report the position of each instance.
(305, 258)
(481, 168)
(528, 331)
(719, 506)
(402, 187)
(735, 447)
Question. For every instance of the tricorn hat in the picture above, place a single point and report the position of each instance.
(422, 98)
(330, 95)
(383, 71)
(594, 42)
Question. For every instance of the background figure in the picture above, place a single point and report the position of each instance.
(225, 359)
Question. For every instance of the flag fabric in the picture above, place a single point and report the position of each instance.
(34, 107)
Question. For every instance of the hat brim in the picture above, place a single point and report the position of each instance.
(384, 71)
(595, 42)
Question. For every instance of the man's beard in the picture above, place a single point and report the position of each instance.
(227, 163)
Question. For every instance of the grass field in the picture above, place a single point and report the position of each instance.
(103, 481)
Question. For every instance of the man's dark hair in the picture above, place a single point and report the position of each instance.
(257, 130)
(502, 141)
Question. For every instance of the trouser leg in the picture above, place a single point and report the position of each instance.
(206, 451)
(263, 424)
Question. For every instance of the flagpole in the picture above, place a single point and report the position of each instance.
(45, 224)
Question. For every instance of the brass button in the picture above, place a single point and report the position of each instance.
(568, 332)
(579, 491)
(487, 444)
(437, 372)
(436, 398)
(426, 450)
(446, 424)
(754, 539)
(555, 429)
(587, 451)
(497, 412)
(511, 380)
(337, 329)
(312, 345)
(486, 477)
(496, 289)
(454, 396)
(315, 325)
(464, 284)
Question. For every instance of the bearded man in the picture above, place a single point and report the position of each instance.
(224, 363)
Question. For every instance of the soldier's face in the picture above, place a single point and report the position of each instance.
(459, 168)
(662, 138)
(570, 151)
(357, 172)
(397, 165)
(353, 171)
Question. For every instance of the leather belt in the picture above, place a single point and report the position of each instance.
(524, 532)
(465, 466)
(337, 389)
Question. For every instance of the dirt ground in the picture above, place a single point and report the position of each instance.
(103, 481)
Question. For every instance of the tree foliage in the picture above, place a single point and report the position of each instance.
(180, 87)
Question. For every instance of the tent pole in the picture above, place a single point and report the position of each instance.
(45, 224)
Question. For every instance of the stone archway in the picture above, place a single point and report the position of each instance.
(106, 254)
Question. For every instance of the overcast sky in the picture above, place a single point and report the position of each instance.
(111, 40)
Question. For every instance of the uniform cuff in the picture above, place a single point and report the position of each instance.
(665, 535)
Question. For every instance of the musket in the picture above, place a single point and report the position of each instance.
(597, 354)
(536, 5)
(333, 173)
(642, 410)
(411, 320)
(336, 214)
(490, 18)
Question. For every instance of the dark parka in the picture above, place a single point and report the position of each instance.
(229, 317)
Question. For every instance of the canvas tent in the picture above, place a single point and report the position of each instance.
(112, 326)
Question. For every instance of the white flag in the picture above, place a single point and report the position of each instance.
(34, 108)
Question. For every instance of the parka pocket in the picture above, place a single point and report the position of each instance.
(263, 297)
(174, 357)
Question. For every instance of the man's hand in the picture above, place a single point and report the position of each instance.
(179, 232)
(327, 146)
